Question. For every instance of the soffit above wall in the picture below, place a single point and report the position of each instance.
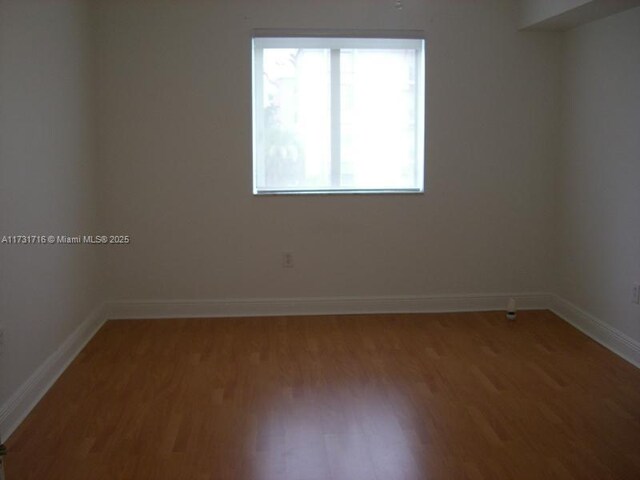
(561, 15)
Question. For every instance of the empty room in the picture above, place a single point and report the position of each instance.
(319, 240)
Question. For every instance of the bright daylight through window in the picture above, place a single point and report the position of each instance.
(338, 115)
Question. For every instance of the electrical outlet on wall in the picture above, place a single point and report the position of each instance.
(287, 260)
(636, 293)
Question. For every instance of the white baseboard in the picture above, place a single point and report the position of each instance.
(18, 406)
(140, 309)
(608, 336)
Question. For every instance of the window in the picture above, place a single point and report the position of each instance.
(338, 115)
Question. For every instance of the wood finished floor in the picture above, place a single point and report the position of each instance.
(446, 396)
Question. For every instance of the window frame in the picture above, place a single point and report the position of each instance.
(335, 40)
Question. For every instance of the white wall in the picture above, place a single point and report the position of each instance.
(175, 148)
(46, 181)
(599, 223)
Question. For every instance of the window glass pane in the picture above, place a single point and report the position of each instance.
(338, 114)
(295, 147)
(378, 119)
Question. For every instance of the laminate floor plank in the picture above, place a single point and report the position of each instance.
(376, 397)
